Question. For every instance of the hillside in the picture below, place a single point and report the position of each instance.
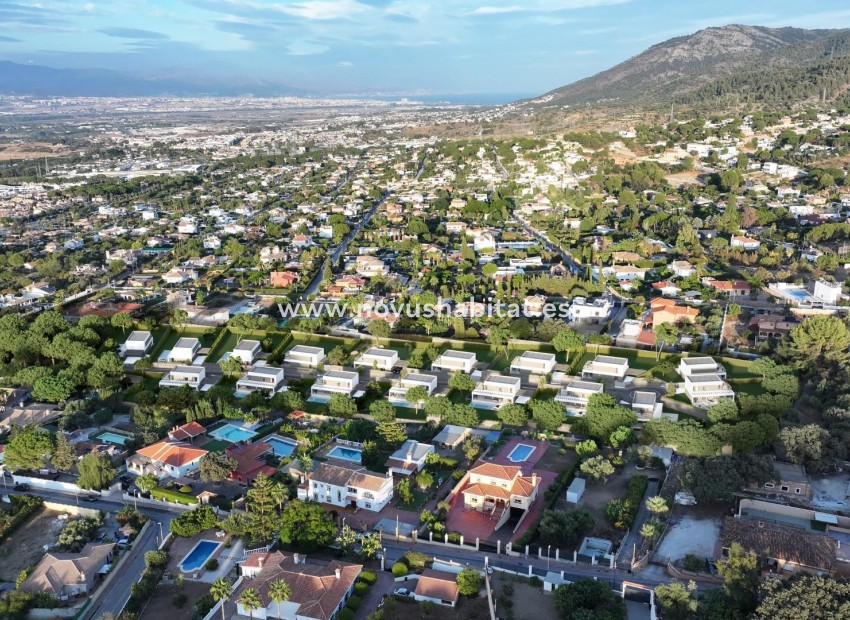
(721, 64)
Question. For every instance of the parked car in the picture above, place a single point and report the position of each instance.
(90, 498)
(404, 592)
(22, 487)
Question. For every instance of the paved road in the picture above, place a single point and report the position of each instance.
(569, 261)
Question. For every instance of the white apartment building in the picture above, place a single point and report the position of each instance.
(495, 391)
(302, 355)
(533, 362)
(646, 405)
(266, 379)
(704, 365)
(379, 359)
(334, 382)
(246, 351)
(704, 381)
(138, 343)
(343, 486)
(828, 292)
(193, 376)
(398, 393)
(184, 350)
(576, 394)
(606, 366)
(455, 361)
(584, 311)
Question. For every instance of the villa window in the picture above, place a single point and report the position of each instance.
(783, 488)
(768, 485)
(797, 490)
(352, 489)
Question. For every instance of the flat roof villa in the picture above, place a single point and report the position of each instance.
(193, 376)
(646, 405)
(398, 392)
(379, 359)
(705, 390)
(302, 355)
(576, 394)
(184, 350)
(246, 351)
(595, 311)
(138, 343)
(334, 382)
(495, 391)
(265, 379)
(454, 361)
(690, 366)
(606, 366)
(534, 362)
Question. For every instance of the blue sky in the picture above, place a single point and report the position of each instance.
(392, 46)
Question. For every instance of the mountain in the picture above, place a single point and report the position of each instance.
(38, 80)
(729, 63)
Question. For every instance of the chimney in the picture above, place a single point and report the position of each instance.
(409, 457)
(295, 558)
(261, 560)
(338, 573)
(534, 478)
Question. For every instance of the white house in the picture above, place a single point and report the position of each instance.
(398, 392)
(246, 351)
(212, 243)
(496, 390)
(646, 405)
(379, 359)
(438, 587)
(409, 458)
(704, 365)
(455, 361)
(745, 243)
(369, 267)
(138, 343)
(166, 458)
(178, 275)
(576, 394)
(704, 381)
(828, 292)
(334, 382)
(682, 268)
(187, 227)
(606, 366)
(302, 355)
(484, 242)
(348, 486)
(184, 350)
(533, 362)
(596, 311)
(193, 376)
(267, 379)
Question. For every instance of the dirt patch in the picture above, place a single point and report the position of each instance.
(31, 150)
(596, 496)
(25, 547)
(680, 179)
(529, 602)
(556, 462)
(691, 535)
(161, 606)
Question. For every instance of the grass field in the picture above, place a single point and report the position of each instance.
(216, 445)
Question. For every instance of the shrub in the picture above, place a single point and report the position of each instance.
(211, 564)
(203, 605)
(194, 522)
(178, 599)
(454, 538)
(345, 614)
(693, 563)
(368, 577)
(185, 489)
(354, 602)
(361, 589)
(400, 569)
(417, 559)
(157, 558)
(535, 582)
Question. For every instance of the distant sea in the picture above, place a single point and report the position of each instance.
(464, 99)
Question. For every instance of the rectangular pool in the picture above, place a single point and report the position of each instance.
(281, 446)
(199, 555)
(113, 438)
(346, 454)
(232, 433)
(520, 453)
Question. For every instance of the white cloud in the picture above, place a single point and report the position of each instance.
(497, 10)
(325, 9)
(345, 63)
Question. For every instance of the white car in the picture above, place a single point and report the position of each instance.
(403, 592)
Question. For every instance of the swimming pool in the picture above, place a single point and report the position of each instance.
(797, 293)
(520, 453)
(113, 438)
(281, 446)
(230, 432)
(199, 555)
(347, 454)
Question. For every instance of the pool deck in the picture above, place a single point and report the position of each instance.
(180, 547)
(501, 458)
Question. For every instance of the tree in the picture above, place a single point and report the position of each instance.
(461, 415)
(231, 367)
(657, 505)
(338, 355)
(404, 492)
(547, 414)
(179, 319)
(424, 480)
(370, 546)
(740, 571)
(346, 539)
(785, 384)
(64, 456)
(717, 478)
(306, 525)
(818, 344)
(588, 599)
(194, 521)
(512, 415)
(416, 396)
(472, 447)
(586, 448)
(250, 600)
(461, 382)
(216, 466)
(649, 530)
(564, 528)
(437, 406)
(805, 445)
(122, 321)
(379, 328)
(382, 411)
(279, 592)
(28, 448)
(221, 592)
(677, 601)
(96, 471)
(147, 482)
(260, 504)
(621, 437)
(598, 468)
(605, 415)
(724, 410)
(468, 582)
(342, 406)
(804, 596)
(568, 340)
(53, 389)
(392, 433)
(665, 335)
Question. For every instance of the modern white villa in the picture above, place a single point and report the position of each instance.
(246, 351)
(138, 343)
(646, 405)
(184, 351)
(575, 395)
(606, 366)
(533, 362)
(455, 361)
(495, 391)
(266, 379)
(307, 357)
(334, 382)
(379, 359)
(584, 311)
(704, 381)
(193, 376)
(398, 392)
(344, 486)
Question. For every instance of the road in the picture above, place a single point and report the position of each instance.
(569, 261)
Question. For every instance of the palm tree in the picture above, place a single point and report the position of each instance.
(657, 505)
(221, 591)
(250, 600)
(649, 530)
(279, 591)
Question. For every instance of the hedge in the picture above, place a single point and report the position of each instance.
(24, 506)
(631, 502)
(345, 614)
(400, 569)
(368, 577)
(354, 602)
(361, 589)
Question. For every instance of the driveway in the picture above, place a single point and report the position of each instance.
(384, 585)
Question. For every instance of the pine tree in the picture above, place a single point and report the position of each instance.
(261, 504)
(64, 456)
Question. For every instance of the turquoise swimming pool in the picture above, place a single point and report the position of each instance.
(281, 446)
(110, 437)
(232, 433)
(199, 555)
(520, 453)
(346, 454)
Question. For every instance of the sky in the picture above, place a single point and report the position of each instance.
(515, 47)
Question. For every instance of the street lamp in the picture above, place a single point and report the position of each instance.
(161, 536)
(548, 549)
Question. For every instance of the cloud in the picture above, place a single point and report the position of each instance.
(345, 63)
(325, 9)
(133, 33)
(9, 40)
(498, 10)
(244, 28)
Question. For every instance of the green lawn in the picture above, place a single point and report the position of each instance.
(736, 369)
(188, 332)
(216, 445)
(174, 496)
(420, 498)
(752, 388)
(326, 342)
